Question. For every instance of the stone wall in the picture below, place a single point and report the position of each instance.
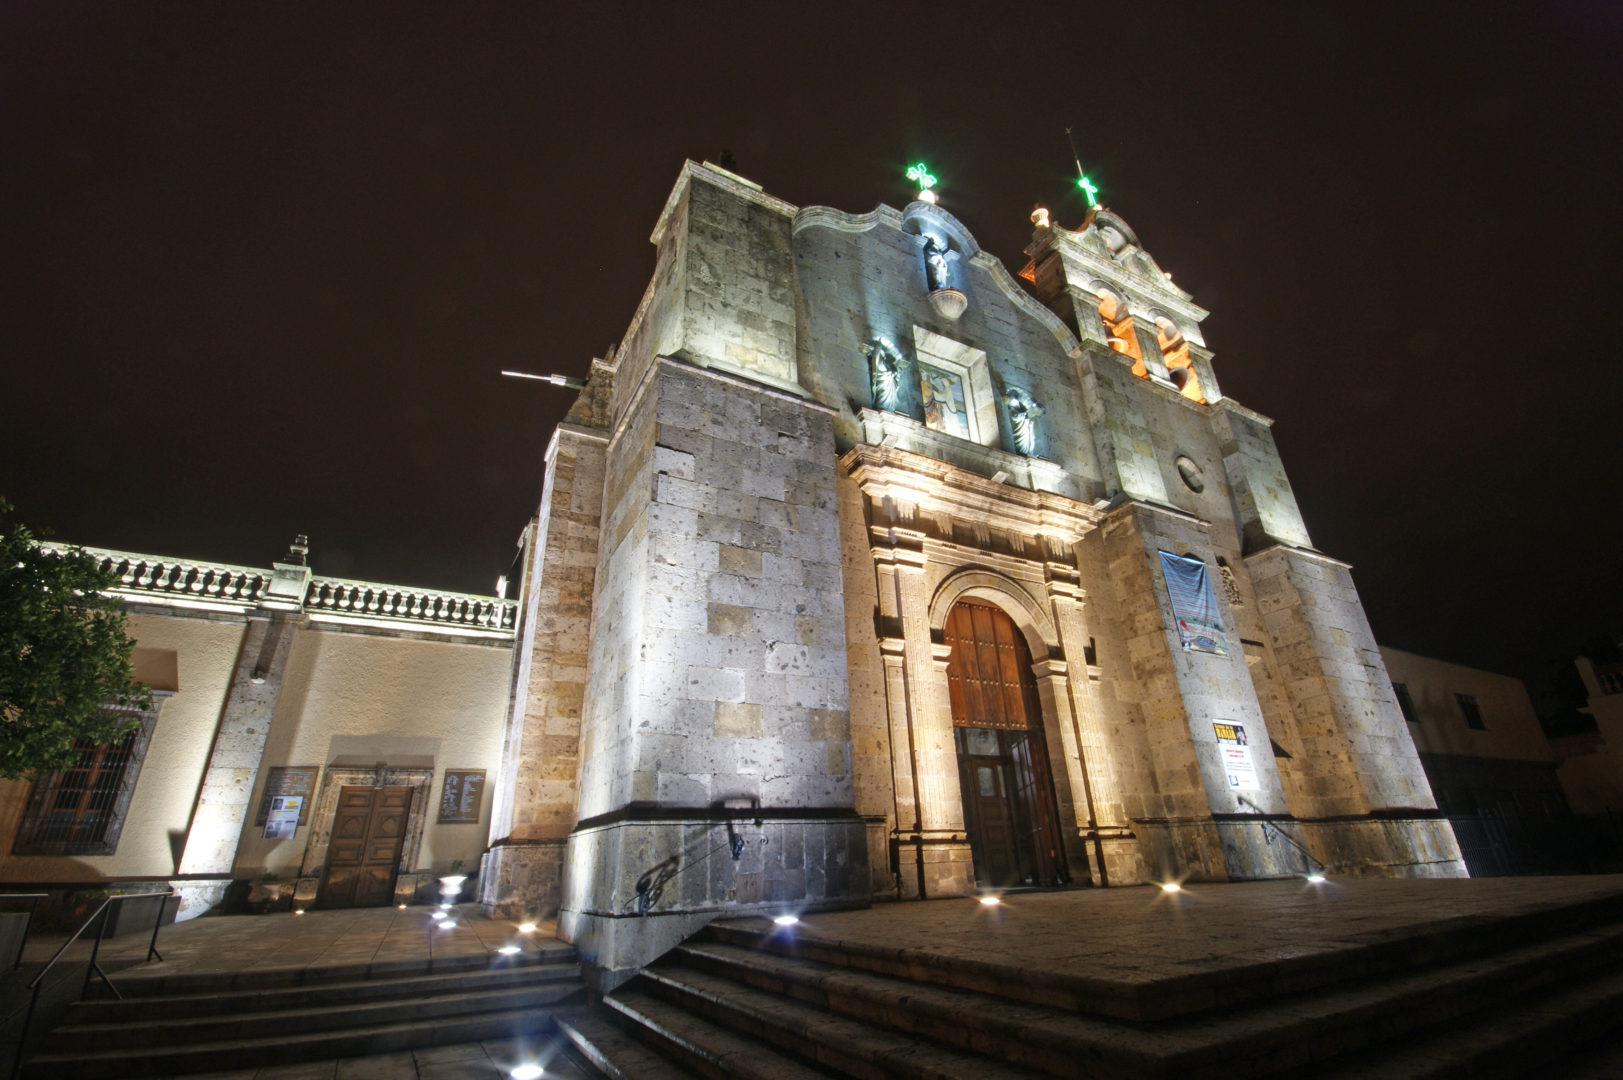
(717, 701)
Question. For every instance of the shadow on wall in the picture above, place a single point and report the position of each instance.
(651, 883)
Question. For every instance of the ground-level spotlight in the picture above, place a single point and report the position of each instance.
(436, 915)
(526, 1072)
(402, 907)
(988, 900)
(298, 911)
(448, 924)
(785, 920)
(526, 927)
(509, 950)
(1171, 886)
(447, 907)
(1316, 877)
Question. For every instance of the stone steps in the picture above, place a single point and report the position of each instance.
(238, 1002)
(159, 1031)
(1440, 942)
(718, 1007)
(595, 1039)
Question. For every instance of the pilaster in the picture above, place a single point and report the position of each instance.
(239, 745)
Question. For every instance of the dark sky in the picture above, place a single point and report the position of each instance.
(262, 262)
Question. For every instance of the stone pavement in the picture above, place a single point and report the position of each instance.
(314, 939)
(1129, 937)
(1134, 936)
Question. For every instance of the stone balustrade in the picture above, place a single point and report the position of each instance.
(155, 579)
(154, 576)
(394, 603)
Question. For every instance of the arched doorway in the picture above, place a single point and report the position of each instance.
(1003, 771)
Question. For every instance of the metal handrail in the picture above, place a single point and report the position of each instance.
(38, 982)
(1262, 817)
(28, 923)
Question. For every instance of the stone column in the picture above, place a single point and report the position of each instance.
(1358, 757)
(210, 850)
(1101, 810)
(933, 851)
(715, 738)
(536, 792)
(1204, 829)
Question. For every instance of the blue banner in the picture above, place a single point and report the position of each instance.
(1194, 605)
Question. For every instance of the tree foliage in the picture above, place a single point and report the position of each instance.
(65, 669)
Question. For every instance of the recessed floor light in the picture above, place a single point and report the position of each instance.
(785, 920)
(1171, 886)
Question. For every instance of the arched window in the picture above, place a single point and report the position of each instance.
(1175, 353)
(1118, 327)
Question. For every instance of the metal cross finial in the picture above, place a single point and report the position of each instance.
(920, 175)
(1089, 190)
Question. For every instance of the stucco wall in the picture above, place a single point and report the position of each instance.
(358, 699)
(160, 810)
(1510, 722)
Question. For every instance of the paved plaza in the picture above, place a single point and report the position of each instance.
(1130, 939)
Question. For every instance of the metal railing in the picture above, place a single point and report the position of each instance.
(100, 917)
(1243, 801)
(34, 898)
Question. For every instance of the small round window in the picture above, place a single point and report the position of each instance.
(1189, 473)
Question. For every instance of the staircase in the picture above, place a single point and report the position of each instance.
(1507, 999)
(182, 1024)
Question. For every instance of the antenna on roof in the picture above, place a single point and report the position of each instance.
(1089, 190)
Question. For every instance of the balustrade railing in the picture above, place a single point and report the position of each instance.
(160, 580)
(367, 598)
(154, 575)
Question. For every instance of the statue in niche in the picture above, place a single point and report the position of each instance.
(1023, 414)
(935, 263)
(886, 374)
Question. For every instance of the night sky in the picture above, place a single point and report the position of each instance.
(262, 263)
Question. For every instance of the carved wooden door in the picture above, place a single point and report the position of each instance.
(1003, 770)
(364, 853)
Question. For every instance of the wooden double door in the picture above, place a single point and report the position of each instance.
(1003, 770)
(363, 856)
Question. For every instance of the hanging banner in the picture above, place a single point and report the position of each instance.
(282, 820)
(1194, 605)
(1235, 750)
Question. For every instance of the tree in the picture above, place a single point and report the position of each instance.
(65, 669)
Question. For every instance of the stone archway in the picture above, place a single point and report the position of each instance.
(1005, 777)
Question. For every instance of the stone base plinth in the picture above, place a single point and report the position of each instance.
(935, 865)
(522, 879)
(634, 887)
(1113, 858)
(1243, 848)
(1230, 848)
(1382, 846)
(198, 896)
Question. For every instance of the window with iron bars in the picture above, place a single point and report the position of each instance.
(80, 810)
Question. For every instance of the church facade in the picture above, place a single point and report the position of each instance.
(866, 569)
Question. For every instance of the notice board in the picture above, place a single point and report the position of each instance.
(280, 780)
(463, 793)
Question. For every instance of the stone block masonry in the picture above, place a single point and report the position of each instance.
(716, 748)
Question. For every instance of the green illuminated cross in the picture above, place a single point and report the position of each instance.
(1089, 190)
(921, 176)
